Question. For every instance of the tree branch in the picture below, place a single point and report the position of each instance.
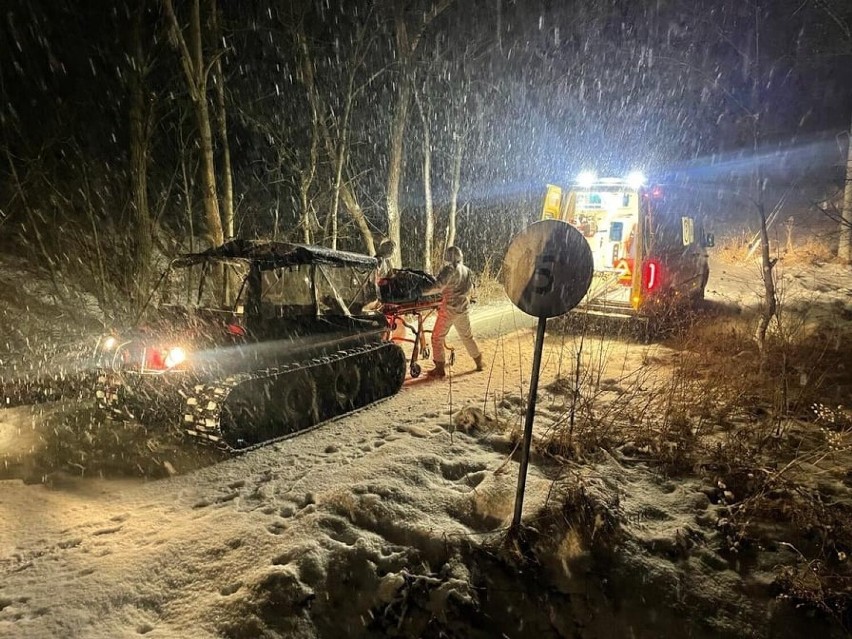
(437, 9)
(180, 44)
(822, 4)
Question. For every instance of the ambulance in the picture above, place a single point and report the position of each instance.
(648, 243)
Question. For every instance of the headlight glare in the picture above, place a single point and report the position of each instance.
(175, 357)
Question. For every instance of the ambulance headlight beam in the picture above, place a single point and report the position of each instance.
(636, 179)
(586, 179)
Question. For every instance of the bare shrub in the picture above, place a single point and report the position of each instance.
(601, 399)
(818, 531)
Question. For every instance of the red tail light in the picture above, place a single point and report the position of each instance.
(652, 275)
(155, 359)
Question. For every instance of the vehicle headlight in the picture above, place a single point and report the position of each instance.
(163, 359)
(109, 343)
(586, 179)
(636, 179)
(175, 357)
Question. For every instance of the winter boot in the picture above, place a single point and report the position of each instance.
(438, 371)
(478, 361)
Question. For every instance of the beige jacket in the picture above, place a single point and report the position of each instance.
(456, 283)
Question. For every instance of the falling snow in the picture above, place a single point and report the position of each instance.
(134, 135)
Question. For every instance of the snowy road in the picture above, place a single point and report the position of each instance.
(496, 319)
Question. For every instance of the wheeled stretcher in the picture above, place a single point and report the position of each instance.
(412, 315)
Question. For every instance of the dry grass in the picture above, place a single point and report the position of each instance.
(812, 250)
(489, 288)
(733, 247)
(770, 435)
(814, 243)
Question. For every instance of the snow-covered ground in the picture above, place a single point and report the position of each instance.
(340, 513)
(390, 522)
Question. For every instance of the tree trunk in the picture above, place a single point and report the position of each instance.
(357, 214)
(307, 174)
(342, 149)
(427, 185)
(305, 201)
(455, 187)
(194, 71)
(140, 138)
(211, 199)
(395, 163)
(844, 247)
(407, 41)
(222, 121)
(770, 301)
(767, 264)
(189, 206)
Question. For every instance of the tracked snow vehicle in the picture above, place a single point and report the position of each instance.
(301, 339)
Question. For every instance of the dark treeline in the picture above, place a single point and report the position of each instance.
(135, 131)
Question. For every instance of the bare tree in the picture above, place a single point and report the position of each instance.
(343, 130)
(141, 128)
(195, 73)
(222, 122)
(20, 191)
(426, 145)
(336, 152)
(460, 135)
(749, 114)
(770, 299)
(844, 247)
(306, 180)
(407, 39)
(466, 109)
(295, 160)
(307, 174)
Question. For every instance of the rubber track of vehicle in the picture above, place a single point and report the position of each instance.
(201, 419)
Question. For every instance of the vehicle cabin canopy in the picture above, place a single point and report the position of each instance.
(269, 255)
(280, 278)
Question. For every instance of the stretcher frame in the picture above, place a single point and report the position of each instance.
(418, 311)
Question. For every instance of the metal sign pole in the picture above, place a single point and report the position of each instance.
(547, 270)
(528, 424)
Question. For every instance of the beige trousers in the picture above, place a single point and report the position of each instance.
(445, 321)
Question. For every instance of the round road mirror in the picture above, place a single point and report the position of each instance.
(548, 268)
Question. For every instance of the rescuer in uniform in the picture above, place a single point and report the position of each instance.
(455, 282)
(383, 255)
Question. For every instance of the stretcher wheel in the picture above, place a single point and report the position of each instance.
(415, 369)
(426, 353)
